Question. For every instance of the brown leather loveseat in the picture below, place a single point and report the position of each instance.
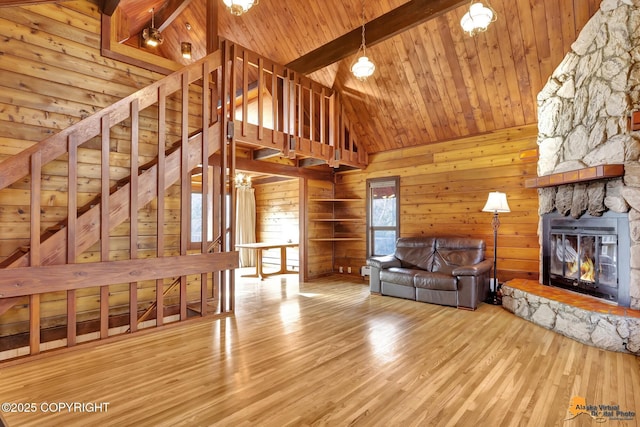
(441, 270)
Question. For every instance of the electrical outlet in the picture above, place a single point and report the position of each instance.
(349, 270)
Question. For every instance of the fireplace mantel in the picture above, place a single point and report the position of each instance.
(580, 175)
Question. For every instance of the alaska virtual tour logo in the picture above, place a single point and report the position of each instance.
(600, 413)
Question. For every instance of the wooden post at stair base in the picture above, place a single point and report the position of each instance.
(204, 244)
(185, 191)
(105, 226)
(72, 219)
(161, 167)
(133, 207)
(34, 300)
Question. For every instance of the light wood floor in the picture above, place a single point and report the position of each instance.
(329, 353)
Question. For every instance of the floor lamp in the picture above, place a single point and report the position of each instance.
(496, 203)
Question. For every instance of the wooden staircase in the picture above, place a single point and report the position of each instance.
(307, 124)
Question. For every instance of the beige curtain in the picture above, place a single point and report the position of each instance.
(246, 224)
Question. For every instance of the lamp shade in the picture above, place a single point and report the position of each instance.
(477, 18)
(238, 7)
(363, 68)
(497, 202)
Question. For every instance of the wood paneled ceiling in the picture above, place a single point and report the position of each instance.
(432, 82)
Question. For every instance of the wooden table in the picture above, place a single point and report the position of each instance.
(261, 246)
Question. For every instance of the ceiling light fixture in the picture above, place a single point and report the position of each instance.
(242, 180)
(478, 18)
(363, 67)
(151, 36)
(238, 7)
(185, 49)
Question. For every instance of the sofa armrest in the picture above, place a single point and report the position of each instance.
(473, 270)
(382, 262)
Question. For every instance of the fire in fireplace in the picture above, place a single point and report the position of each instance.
(589, 255)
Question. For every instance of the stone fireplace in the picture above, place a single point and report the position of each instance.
(583, 115)
(589, 173)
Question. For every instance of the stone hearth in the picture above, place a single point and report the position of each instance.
(580, 317)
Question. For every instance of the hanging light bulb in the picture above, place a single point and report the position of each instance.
(238, 7)
(478, 18)
(151, 36)
(363, 67)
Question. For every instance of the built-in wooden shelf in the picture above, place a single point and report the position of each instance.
(580, 175)
(335, 221)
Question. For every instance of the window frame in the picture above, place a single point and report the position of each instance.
(196, 188)
(373, 183)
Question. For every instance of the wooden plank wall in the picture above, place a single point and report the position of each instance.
(444, 186)
(51, 76)
(277, 218)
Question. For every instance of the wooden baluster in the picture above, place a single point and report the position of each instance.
(133, 210)
(72, 219)
(185, 191)
(323, 120)
(260, 98)
(312, 120)
(161, 168)
(300, 105)
(34, 300)
(105, 225)
(205, 185)
(245, 91)
(275, 105)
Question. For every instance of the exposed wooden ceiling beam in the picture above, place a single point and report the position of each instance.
(400, 19)
(268, 168)
(304, 163)
(169, 13)
(265, 153)
(107, 7)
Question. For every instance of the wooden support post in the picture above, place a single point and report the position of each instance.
(134, 188)
(72, 220)
(105, 225)
(204, 247)
(185, 190)
(161, 167)
(34, 300)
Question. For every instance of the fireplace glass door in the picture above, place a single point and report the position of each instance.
(585, 262)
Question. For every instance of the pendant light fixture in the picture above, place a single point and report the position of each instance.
(238, 7)
(151, 36)
(478, 18)
(363, 67)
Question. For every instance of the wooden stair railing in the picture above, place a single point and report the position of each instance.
(305, 122)
(42, 268)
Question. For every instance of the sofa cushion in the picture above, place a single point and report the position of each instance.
(452, 252)
(436, 281)
(398, 275)
(415, 252)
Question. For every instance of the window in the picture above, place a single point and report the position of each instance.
(196, 210)
(383, 215)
